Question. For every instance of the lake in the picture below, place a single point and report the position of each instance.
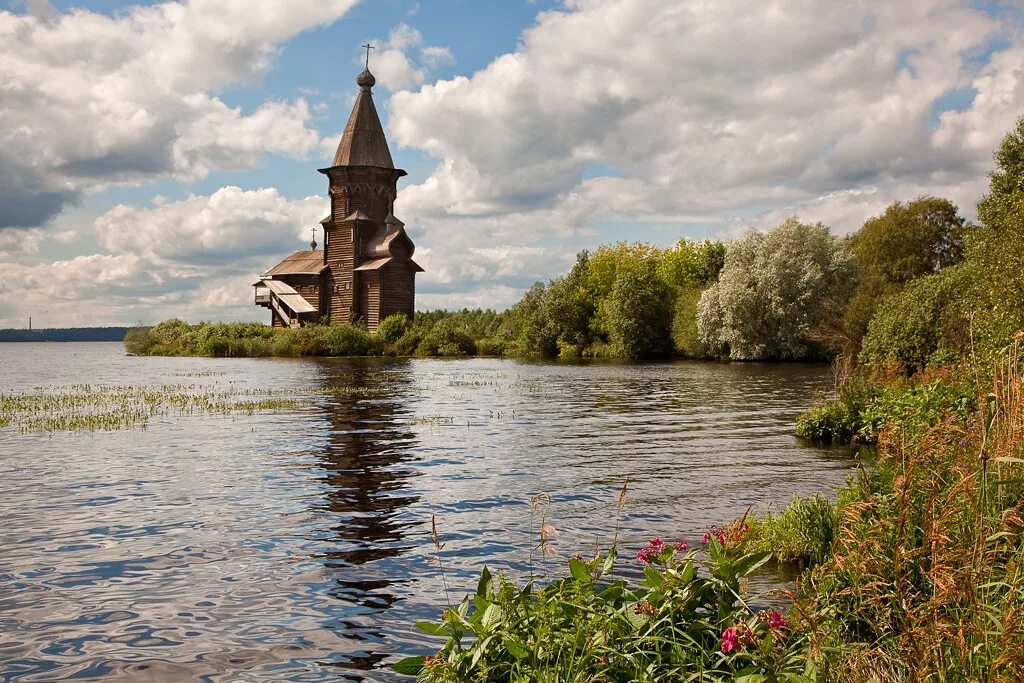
(295, 544)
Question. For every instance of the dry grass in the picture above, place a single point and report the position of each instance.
(925, 582)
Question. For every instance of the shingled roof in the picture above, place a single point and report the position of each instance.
(300, 263)
(363, 142)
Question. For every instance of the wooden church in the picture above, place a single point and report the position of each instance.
(365, 270)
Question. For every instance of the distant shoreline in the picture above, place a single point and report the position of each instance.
(65, 334)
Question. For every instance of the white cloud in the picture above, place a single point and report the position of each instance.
(707, 115)
(228, 228)
(701, 118)
(16, 242)
(434, 56)
(393, 64)
(192, 258)
(91, 100)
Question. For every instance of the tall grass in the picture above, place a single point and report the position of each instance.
(925, 579)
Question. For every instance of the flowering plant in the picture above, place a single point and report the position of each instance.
(687, 616)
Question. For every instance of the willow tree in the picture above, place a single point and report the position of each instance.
(775, 291)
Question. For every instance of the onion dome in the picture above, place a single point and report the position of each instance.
(365, 80)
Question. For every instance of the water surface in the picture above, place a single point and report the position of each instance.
(295, 545)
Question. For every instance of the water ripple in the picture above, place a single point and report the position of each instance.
(297, 546)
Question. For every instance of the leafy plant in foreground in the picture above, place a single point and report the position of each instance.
(686, 620)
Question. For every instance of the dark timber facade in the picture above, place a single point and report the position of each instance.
(365, 271)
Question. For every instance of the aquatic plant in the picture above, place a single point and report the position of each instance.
(112, 407)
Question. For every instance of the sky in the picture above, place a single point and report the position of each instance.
(156, 158)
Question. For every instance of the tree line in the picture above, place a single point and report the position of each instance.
(916, 284)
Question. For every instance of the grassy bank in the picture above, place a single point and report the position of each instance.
(433, 334)
(915, 573)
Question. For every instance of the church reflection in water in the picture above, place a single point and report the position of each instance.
(367, 464)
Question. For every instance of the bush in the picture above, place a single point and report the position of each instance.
(392, 328)
(775, 291)
(803, 533)
(906, 242)
(408, 342)
(446, 339)
(685, 620)
(685, 335)
(639, 314)
(138, 341)
(832, 422)
(861, 412)
(490, 347)
(907, 326)
(349, 340)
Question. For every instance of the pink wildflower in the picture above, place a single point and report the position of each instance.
(644, 555)
(730, 639)
(776, 620)
(656, 542)
(682, 545)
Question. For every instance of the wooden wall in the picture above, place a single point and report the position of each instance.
(398, 290)
(340, 255)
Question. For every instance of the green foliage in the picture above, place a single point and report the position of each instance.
(861, 412)
(775, 291)
(993, 300)
(491, 347)
(803, 533)
(138, 341)
(906, 242)
(250, 339)
(549, 318)
(447, 338)
(639, 313)
(685, 335)
(686, 618)
(908, 326)
(830, 422)
(407, 344)
(691, 264)
(349, 340)
(392, 328)
(1006, 183)
(910, 240)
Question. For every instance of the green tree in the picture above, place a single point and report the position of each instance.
(393, 327)
(685, 332)
(775, 291)
(691, 264)
(907, 325)
(905, 242)
(1006, 183)
(639, 313)
(604, 267)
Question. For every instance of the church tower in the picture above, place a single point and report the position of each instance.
(365, 270)
(370, 272)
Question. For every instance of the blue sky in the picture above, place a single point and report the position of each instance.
(158, 156)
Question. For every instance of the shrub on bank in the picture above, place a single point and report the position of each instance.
(926, 579)
(687, 619)
(861, 412)
(803, 533)
(446, 339)
(392, 328)
(830, 422)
